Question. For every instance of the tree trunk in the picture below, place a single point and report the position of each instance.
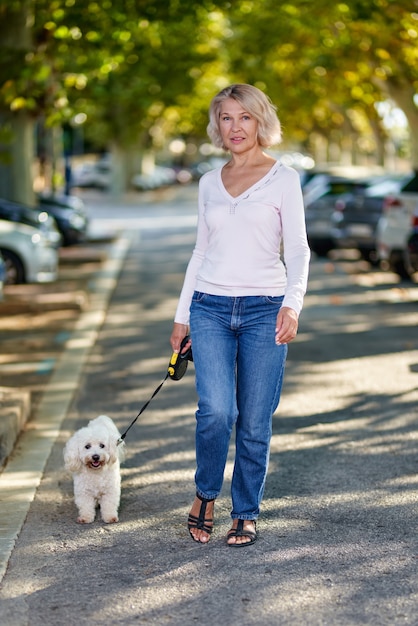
(118, 183)
(380, 141)
(23, 153)
(402, 92)
(16, 176)
(17, 136)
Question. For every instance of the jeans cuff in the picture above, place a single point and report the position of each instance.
(205, 496)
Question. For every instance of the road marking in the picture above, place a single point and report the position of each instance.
(24, 470)
(40, 367)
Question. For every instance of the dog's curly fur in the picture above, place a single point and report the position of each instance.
(93, 457)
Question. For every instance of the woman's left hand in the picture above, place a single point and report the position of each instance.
(286, 325)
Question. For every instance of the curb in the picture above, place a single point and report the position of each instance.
(15, 407)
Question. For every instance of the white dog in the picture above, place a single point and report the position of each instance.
(93, 457)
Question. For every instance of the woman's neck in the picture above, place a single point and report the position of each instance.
(251, 159)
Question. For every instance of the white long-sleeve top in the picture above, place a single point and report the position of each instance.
(239, 241)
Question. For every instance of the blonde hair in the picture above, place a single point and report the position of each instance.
(254, 102)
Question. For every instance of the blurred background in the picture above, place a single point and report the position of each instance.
(114, 94)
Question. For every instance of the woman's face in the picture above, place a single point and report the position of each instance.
(238, 127)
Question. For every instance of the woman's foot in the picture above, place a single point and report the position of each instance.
(200, 522)
(243, 533)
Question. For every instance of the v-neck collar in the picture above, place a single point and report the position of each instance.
(257, 185)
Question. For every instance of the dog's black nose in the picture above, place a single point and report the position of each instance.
(96, 457)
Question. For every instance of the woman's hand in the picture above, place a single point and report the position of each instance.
(286, 325)
(179, 333)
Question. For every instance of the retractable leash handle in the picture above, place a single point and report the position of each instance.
(176, 370)
(179, 361)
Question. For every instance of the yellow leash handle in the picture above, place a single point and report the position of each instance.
(173, 361)
(178, 363)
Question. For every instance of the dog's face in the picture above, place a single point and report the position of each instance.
(95, 453)
(91, 448)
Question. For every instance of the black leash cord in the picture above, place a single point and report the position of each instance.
(122, 437)
(176, 370)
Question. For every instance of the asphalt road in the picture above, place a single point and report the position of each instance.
(337, 535)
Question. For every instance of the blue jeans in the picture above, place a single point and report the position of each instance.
(239, 374)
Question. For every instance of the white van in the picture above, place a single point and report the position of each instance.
(394, 226)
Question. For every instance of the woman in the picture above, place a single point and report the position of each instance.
(242, 303)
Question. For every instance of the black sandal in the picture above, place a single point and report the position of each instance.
(240, 532)
(201, 523)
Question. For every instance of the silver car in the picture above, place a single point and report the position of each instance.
(320, 196)
(28, 253)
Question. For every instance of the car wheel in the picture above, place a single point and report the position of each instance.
(321, 250)
(412, 253)
(398, 266)
(15, 272)
(370, 256)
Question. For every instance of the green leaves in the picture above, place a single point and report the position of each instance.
(135, 65)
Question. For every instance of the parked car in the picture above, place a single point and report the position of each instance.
(320, 195)
(355, 218)
(95, 175)
(70, 215)
(38, 218)
(161, 176)
(201, 167)
(395, 224)
(2, 276)
(29, 255)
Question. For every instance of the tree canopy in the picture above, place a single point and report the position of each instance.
(139, 71)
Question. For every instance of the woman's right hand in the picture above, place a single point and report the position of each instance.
(179, 333)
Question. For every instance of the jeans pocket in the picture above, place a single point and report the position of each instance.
(273, 299)
(198, 296)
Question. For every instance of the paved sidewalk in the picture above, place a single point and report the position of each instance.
(337, 535)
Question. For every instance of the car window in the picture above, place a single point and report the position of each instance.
(384, 188)
(339, 188)
(28, 217)
(411, 185)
